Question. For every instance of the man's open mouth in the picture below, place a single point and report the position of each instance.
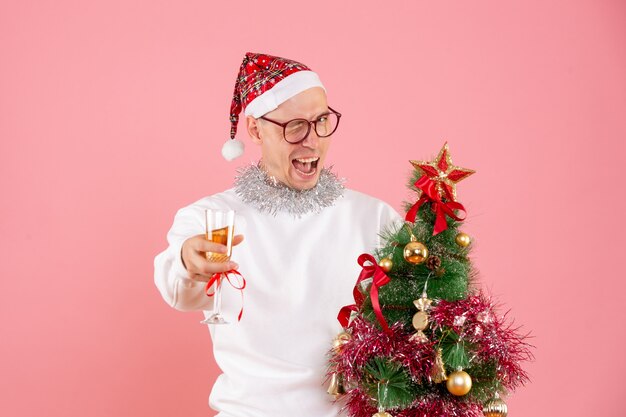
(305, 166)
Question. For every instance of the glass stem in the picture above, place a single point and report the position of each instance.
(217, 306)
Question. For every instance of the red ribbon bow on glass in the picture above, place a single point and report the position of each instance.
(218, 276)
(379, 278)
(441, 208)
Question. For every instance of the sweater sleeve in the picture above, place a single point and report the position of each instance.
(389, 220)
(391, 217)
(170, 275)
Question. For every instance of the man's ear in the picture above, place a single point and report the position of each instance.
(253, 129)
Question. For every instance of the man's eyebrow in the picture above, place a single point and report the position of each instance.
(323, 112)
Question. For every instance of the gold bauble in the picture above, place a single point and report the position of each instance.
(415, 252)
(385, 264)
(340, 340)
(495, 408)
(459, 383)
(382, 414)
(463, 240)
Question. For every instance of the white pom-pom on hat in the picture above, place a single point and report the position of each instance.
(232, 149)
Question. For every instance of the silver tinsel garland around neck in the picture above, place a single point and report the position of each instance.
(268, 195)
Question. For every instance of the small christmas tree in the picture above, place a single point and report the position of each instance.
(421, 339)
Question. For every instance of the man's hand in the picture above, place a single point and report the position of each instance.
(194, 258)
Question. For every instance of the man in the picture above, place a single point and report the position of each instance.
(303, 233)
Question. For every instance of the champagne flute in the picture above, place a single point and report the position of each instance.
(219, 227)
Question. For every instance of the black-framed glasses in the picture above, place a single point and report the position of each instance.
(297, 130)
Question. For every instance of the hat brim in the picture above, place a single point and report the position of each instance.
(286, 88)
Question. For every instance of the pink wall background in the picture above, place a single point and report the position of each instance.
(112, 115)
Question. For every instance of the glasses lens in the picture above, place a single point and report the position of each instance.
(326, 125)
(296, 130)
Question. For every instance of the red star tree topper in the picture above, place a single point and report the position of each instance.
(444, 173)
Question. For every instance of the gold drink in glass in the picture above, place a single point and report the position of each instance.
(222, 236)
(219, 227)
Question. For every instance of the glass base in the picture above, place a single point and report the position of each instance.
(214, 319)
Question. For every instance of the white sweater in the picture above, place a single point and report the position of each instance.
(300, 272)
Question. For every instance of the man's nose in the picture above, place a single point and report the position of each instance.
(312, 140)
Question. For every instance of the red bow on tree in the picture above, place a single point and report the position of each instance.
(441, 208)
(379, 278)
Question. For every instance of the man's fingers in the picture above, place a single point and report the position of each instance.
(203, 245)
(206, 270)
(198, 277)
(210, 268)
(200, 265)
(237, 239)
